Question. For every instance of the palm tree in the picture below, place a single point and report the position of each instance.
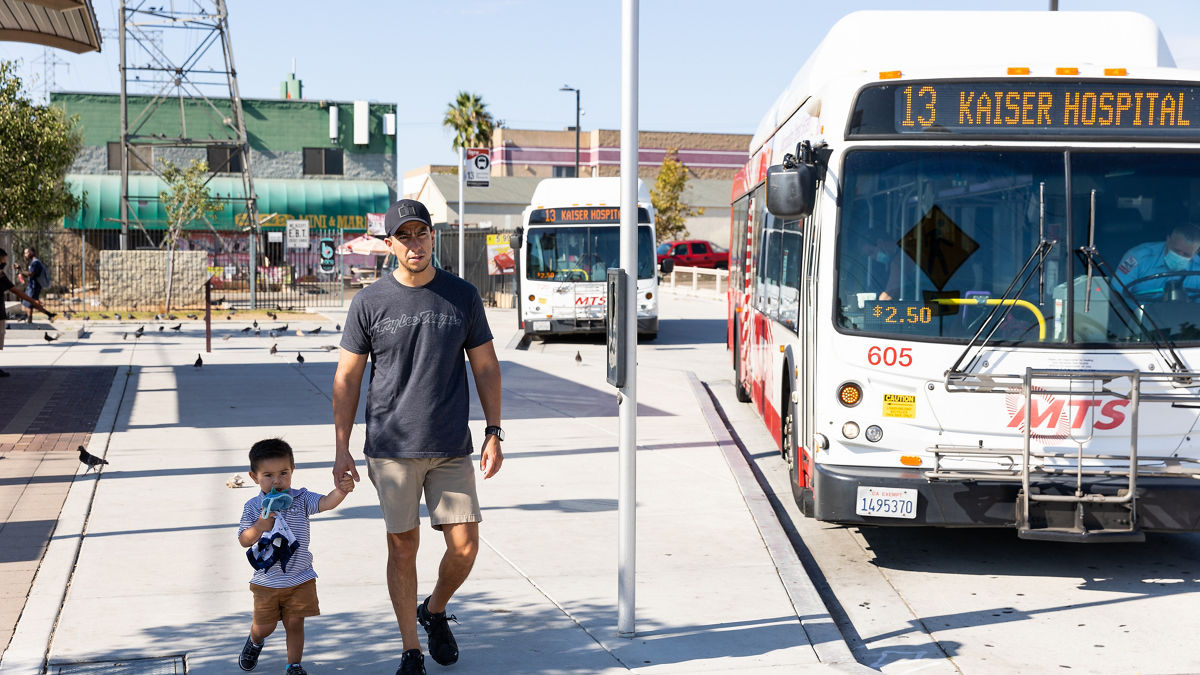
(468, 118)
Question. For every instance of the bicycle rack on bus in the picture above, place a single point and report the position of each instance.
(1073, 496)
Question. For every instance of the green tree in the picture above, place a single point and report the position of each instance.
(186, 200)
(38, 144)
(467, 116)
(670, 213)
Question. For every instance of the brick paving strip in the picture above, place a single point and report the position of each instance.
(45, 414)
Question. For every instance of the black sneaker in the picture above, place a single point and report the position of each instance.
(442, 646)
(296, 669)
(249, 656)
(412, 662)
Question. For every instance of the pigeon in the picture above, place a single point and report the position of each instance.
(91, 460)
(103, 316)
(177, 326)
(313, 331)
(171, 317)
(47, 338)
(299, 357)
(116, 316)
(218, 301)
(255, 324)
(228, 317)
(273, 334)
(282, 329)
(199, 362)
(160, 328)
(338, 328)
(192, 317)
(578, 357)
(225, 337)
(257, 333)
(158, 317)
(273, 315)
(246, 329)
(139, 331)
(274, 348)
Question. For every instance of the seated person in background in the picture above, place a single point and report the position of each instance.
(1176, 254)
(882, 273)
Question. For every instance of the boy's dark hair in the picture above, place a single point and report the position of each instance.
(270, 448)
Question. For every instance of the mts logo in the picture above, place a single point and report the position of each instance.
(1055, 415)
(590, 300)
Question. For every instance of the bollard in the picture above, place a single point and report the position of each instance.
(208, 316)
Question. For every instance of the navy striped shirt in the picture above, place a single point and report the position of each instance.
(299, 567)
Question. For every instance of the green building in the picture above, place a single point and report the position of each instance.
(328, 162)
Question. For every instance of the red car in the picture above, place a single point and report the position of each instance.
(694, 253)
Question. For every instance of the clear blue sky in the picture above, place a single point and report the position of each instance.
(706, 65)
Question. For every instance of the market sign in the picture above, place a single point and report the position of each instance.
(297, 234)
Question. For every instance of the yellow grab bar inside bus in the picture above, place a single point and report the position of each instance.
(997, 301)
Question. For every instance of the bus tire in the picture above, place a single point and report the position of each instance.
(742, 394)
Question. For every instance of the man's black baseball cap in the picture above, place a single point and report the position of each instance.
(404, 211)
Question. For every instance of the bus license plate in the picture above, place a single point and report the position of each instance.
(886, 502)
(541, 325)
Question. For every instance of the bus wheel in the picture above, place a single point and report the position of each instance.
(741, 392)
(788, 436)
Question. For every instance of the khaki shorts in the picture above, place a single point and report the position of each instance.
(448, 483)
(273, 604)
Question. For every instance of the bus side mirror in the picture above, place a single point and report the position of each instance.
(514, 239)
(791, 193)
(666, 266)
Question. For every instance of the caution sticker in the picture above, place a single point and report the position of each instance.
(899, 405)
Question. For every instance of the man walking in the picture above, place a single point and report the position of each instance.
(416, 324)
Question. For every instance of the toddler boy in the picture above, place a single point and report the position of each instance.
(284, 582)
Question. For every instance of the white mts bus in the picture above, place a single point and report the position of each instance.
(965, 290)
(570, 239)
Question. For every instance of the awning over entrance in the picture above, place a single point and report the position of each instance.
(323, 202)
(63, 24)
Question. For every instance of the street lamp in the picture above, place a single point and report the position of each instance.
(569, 88)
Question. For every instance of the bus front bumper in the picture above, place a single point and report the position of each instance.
(1164, 504)
(645, 325)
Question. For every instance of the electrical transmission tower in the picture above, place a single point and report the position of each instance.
(178, 58)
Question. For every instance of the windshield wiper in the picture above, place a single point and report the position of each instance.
(1033, 263)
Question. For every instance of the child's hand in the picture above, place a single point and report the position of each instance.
(266, 524)
(346, 484)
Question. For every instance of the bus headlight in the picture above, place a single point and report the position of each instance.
(874, 433)
(850, 430)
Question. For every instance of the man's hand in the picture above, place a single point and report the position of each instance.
(343, 464)
(491, 458)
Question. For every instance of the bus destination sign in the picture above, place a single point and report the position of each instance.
(1000, 108)
(568, 215)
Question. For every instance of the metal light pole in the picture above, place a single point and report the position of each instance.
(569, 88)
(627, 448)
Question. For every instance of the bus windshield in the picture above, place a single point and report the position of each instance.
(582, 252)
(930, 239)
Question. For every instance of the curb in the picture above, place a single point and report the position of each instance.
(30, 645)
(823, 634)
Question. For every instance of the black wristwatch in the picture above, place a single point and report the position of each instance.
(494, 431)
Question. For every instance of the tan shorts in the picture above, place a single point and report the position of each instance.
(273, 604)
(449, 485)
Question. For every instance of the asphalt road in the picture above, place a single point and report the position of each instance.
(956, 600)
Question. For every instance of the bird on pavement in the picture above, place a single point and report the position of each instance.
(47, 338)
(313, 331)
(274, 348)
(138, 333)
(273, 315)
(199, 362)
(116, 316)
(225, 338)
(338, 328)
(171, 317)
(246, 329)
(177, 326)
(103, 316)
(160, 328)
(191, 316)
(299, 357)
(255, 324)
(90, 460)
(281, 329)
(578, 357)
(158, 317)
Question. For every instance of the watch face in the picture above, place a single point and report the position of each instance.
(494, 431)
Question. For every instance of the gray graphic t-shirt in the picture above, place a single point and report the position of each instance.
(417, 401)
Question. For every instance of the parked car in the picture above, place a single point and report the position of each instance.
(694, 253)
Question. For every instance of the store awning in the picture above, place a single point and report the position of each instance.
(324, 203)
(63, 24)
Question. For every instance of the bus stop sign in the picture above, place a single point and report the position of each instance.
(614, 327)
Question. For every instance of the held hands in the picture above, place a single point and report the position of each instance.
(346, 484)
(491, 458)
(345, 474)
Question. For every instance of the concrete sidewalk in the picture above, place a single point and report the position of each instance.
(148, 547)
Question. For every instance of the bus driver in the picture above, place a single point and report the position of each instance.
(1176, 254)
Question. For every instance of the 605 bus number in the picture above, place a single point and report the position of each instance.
(890, 356)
